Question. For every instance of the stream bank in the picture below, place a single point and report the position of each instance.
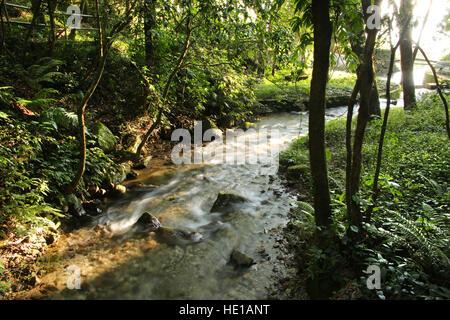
(132, 265)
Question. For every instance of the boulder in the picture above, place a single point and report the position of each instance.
(93, 207)
(148, 222)
(141, 165)
(240, 259)
(225, 202)
(123, 171)
(73, 205)
(105, 138)
(173, 236)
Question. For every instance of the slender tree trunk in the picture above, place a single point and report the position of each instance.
(366, 86)
(81, 110)
(183, 54)
(52, 37)
(375, 189)
(36, 10)
(358, 48)
(100, 67)
(322, 43)
(149, 26)
(406, 52)
(348, 142)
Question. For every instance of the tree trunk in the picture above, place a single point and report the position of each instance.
(149, 26)
(81, 110)
(358, 48)
(36, 10)
(374, 104)
(52, 36)
(375, 189)
(406, 54)
(366, 78)
(322, 43)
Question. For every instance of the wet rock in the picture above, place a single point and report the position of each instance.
(120, 189)
(93, 207)
(241, 259)
(117, 191)
(143, 164)
(173, 236)
(225, 202)
(149, 222)
(124, 171)
(73, 205)
(139, 186)
(131, 175)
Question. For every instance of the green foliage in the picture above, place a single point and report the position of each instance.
(59, 119)
(42, 73)
(408, 236)
(36, 162)
(4, 285)
(283, 86)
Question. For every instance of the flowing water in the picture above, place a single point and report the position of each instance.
(133, 265)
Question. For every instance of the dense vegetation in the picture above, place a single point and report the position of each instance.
(408, 232)
(81, 107)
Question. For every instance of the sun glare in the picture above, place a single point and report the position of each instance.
(435, 43)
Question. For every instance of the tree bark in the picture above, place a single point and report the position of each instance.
(406, 53)
(375, 189)
(366, 85)
(81, 110)
(358, 48)
(100, 67)
(374, 104)
(52, 37)
(318, 163)
(149, 26)
(36, 10)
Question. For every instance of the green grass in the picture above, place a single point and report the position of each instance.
(278, 87)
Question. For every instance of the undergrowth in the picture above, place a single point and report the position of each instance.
(409, 233)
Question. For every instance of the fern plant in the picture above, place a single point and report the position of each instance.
(42, 72)
(409, 235)
(59, 118)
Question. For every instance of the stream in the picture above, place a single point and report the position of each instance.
(131, 265)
